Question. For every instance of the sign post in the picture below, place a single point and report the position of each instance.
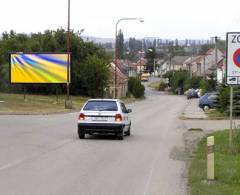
(231, 108)
(232, 70)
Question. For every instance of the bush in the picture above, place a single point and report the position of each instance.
(162, 86)
(208, 85)
(136, 88)
(193, 82)
(223, 99)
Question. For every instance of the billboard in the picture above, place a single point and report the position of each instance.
(39, 67)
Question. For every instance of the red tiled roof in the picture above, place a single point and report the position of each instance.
(198, 59)
(141, 62)
(122, 78)
(220, 62)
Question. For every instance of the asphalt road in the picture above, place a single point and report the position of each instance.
(42, 155)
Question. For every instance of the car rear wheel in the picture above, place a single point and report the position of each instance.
(120, 135)
(128, 132)
(81, 134)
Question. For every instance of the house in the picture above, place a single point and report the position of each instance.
(178, 63)
(121, 84)
(175, 63)
(205, 64)
(221, 69)
(132, 70)
(141, 65)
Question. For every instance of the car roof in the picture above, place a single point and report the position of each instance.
(115, 100)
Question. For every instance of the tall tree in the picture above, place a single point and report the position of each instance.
(120, 45)
(151, 55)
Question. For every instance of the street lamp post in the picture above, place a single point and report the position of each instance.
(115, 53)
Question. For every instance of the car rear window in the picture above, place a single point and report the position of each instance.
(101, 106)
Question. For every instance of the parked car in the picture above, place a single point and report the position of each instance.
(104, 116)
(179, 91)
(192, 93)
(208, 100)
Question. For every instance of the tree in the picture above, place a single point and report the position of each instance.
(93, 75)
(151, 55)
(86, 57)
(176, 50)
(204, 48)
(120, 45)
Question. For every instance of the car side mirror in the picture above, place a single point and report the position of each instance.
(129, 110)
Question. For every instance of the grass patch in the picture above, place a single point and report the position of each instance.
(154, 85)
(37, 104)
(214, 114)
(227, 168)
(43, 104)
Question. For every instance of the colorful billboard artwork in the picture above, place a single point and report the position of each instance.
(38, 67)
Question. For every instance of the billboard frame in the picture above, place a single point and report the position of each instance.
(27, 83)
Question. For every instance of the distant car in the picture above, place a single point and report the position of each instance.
(192, 93)
(104, 116)
(208, 100)
(145, 77)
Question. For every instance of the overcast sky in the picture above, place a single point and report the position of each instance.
(172, 19)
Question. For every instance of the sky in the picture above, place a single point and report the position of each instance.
(171, 19)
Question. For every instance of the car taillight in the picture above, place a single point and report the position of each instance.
(118, 117)
(81, 117)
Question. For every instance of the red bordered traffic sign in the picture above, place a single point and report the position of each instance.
(236, 57)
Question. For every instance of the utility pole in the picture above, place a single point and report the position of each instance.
(141, 60)
(216, 38)
(68, 102)
(204, 66)
(216, 56)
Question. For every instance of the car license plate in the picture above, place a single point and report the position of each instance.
(99, 118)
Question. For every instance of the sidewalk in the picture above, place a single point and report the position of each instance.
(195, 117)
(192, 110)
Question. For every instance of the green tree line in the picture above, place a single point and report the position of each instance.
(90, 72)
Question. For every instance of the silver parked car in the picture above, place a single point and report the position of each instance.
(104, 116)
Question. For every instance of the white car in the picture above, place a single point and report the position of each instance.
(104, 116)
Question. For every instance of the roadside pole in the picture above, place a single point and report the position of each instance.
(210, 158)
(231, 110)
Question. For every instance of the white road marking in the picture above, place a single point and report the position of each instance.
(150, 176)
(11, 164)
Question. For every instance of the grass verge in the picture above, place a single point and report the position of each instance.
(154, 85)
(214, 114)
(227, 168)
(42, 104)
(37, 104)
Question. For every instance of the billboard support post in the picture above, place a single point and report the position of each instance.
(57, 94)
(24, 92)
